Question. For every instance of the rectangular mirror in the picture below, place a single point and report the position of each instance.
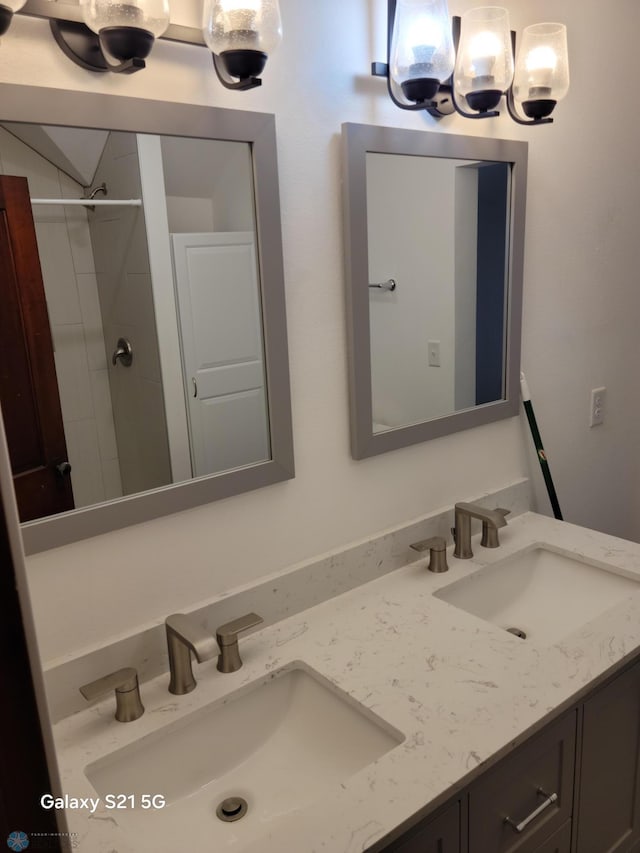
(143, 325)
(434, 233)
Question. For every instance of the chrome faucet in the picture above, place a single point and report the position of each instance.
(491, 519)
(227, 636)
(127, 690)
(183, 637)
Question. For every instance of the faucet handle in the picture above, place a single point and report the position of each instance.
(129, 706)
(227, 636)
(490, 533)
(437, 547)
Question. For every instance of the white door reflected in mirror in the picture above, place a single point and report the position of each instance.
(222, 353)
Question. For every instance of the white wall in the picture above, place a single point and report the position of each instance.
(68, 274)
(209, 185)
(581, 310)
(411, 234)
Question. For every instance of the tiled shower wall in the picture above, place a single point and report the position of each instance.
(68, 271)
(118, 235)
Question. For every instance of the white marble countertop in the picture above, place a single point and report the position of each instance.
(463, 692)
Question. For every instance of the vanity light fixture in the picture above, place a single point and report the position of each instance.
(118, 35)
(115, 36)
(7, 9)
(241, 35)
(439, 64)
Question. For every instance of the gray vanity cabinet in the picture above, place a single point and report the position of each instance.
(560, 841)
(527, 796)
(438, 835)
(608, 804)
(589, 758)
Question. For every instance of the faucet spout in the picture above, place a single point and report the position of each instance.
(184, 636)
(492, 520)
(494, 517)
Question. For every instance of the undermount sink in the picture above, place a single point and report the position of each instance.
(279, 744)
(542, 593)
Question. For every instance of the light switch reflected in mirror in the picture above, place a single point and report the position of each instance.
(188, 271)
(442, 217)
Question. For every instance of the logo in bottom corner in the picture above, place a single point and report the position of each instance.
(18, 841)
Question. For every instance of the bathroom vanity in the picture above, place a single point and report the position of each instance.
(579, 774)
(431, 725)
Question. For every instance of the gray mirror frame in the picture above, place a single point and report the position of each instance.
(357, 141)
(37, 105)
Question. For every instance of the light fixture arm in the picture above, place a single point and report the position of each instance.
(466, 113)
(229, 82)
(82, 46)
(381, 69)
(511, 109)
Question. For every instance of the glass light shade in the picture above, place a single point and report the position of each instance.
(240, 25)
(422, 53)
(149, 15)
(484, 62)
(542, 69)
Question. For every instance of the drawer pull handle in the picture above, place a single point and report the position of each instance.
(549, 800)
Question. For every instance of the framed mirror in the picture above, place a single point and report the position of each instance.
(434, 234)
(144, 329)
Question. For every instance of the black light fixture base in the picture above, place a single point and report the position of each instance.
(538, 109)
(243, 64)
(6, 16)
(420, 89)
(484, 100)
(124, 43)
(82, 46)
(239, 69)
(534, 118)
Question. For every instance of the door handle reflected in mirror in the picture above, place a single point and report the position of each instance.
(123, 353)
(390, 285)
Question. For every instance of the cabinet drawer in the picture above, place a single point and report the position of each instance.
(437, 835)
(560, 841)
(513, 790)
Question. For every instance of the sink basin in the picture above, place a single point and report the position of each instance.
(279, 744)
(542, 592)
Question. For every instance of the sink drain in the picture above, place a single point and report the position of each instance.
(517, 632)
(233, 808)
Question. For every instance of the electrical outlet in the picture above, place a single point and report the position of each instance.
(434, 353)
(598, 403)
